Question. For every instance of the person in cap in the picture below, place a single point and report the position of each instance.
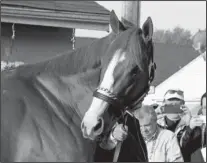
(172, 109)
(176, 117)
(162, 144)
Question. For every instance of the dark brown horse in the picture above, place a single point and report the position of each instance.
(43, 104)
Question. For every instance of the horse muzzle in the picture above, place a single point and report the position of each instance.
(92, 130)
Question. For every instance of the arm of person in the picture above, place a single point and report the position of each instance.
(184, 136)
(173, 151)
(196, 138)
(190, 137)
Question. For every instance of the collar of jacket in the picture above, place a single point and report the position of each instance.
(161, 122)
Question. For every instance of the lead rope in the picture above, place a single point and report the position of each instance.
(119, 144)
(117, 151)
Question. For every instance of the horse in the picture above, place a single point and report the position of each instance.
(44, 109)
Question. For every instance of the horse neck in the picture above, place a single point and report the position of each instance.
(69, 95)
(70, 63)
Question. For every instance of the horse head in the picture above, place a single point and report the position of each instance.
(127, 71)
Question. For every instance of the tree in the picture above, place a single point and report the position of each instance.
(178, 36)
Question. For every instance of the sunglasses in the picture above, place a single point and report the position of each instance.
(175, 91)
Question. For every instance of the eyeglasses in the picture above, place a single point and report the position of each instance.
(171, 91)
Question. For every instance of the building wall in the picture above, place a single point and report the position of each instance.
(34, 43)
(37, 43)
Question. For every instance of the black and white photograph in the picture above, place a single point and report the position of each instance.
(103, 81)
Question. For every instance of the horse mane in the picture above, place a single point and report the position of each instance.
(68, 63)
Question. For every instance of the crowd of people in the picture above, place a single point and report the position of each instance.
(170, 132)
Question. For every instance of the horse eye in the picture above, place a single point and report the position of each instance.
(134, 75)
(134, 71)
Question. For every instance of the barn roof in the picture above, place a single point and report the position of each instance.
(170, 58)
(56, 13)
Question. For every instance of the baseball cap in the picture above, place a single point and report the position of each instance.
(174, 93)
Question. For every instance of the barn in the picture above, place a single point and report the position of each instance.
(43, 29)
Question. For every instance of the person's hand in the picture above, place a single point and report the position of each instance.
(159, 110)
(195, 122)
(185, 109)
(120, 132)
(186, 113)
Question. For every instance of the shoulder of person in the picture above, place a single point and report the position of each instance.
(167, 134)
(184, 121)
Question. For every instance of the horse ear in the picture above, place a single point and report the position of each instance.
(115, 24)
(147, 29)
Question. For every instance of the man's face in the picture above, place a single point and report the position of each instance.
(204, 106)
(147, 127)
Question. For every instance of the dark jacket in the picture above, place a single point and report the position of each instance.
(133, 148)
(193, 142)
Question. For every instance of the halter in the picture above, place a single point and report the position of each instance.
(120, 108)
(113, 99)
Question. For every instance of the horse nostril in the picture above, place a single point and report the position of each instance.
(82, 125)
(99, 125)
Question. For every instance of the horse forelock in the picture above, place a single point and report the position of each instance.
(137, 49)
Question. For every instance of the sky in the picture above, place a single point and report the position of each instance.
(190, 15)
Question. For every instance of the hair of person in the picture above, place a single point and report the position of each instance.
(202, 97)
(146, 111)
